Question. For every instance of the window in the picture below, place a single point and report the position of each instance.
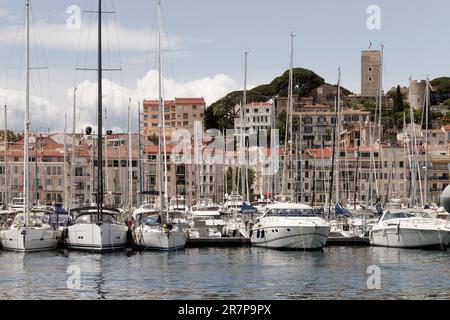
(185, 116)
(194, 107)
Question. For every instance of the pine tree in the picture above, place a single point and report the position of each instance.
(398, 100)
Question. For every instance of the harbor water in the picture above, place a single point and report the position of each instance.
(227, 273)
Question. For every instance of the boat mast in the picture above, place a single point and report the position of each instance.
(6, 156)
(26, 169)
(130, 167)
(139, 154)
(288, 130)
(291, 115)
(244, 175)
(338, 137)
(72, 158)
(427, 106)
(380, 101)
(163, 122)
(66, 193)
(99, 118)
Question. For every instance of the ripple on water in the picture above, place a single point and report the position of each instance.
(228, 273)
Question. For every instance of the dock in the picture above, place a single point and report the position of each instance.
(347, 241)
(241, 242)
(217, 242)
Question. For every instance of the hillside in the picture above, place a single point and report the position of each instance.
(221, 113)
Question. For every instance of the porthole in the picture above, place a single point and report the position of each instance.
(262, 234)
(289, 230)
(257, 234)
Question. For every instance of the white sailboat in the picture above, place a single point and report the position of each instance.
(31, 229)
(158, 232)
(97, 228)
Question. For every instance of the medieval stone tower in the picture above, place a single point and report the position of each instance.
(370, 73)
(418, 89)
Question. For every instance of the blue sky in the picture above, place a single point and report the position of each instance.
(207, 38)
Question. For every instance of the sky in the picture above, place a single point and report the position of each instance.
(204, 43)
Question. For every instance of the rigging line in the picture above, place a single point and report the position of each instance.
(77, 56)
(151, 37)
(168, 47)
(11, 54)
(35, 41)
(82, 93)
(120, 61)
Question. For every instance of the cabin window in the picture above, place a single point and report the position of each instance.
(262, 234)
(257, 234)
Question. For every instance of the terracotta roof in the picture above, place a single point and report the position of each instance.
(200, 101)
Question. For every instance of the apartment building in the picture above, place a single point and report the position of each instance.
(258, 116)
(180, 113)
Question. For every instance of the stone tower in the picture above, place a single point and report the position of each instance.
(418, 89)
(370, 73)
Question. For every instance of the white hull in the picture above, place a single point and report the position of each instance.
(154, 238)
(29, 240)
(409, 237)
(97, 238)
(291, 237)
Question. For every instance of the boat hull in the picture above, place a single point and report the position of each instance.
(97, 238)
(148, 239)
(291, 237)
(395, 237)
(29, 240)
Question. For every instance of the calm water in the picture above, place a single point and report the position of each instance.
(229, 273)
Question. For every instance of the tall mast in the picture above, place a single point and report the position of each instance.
(380, 101)
(99, 118)
(72, 158)
(6, 156)
(130, 168)
(139, 153)
(66, 193)
(26, 169)
(244, 178)
(288, 132)
(427, 106)
(338, 137)
(291, 108)
(161, 108)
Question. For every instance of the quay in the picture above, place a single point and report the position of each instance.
(347, 241)
(217, 242)
(244, 242)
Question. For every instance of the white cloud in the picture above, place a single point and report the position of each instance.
(58, 36)
(116, 96)
(46, 115)
(43, 114)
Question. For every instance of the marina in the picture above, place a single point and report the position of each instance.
(294, 189)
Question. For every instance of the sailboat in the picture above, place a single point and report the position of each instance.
(158, 232)
(287, 224)
(97, 228)
(31, 230)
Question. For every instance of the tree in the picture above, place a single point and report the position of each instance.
(221, 114)
(398, 100)
(251, 180)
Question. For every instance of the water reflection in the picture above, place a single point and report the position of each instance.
(227, 273)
